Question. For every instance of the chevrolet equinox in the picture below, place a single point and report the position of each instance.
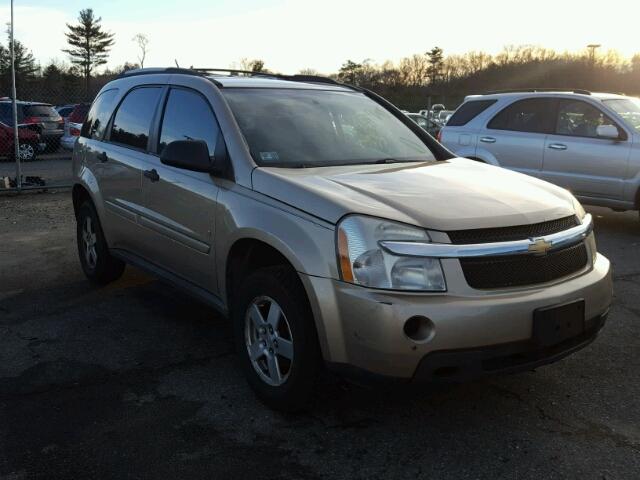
(332, 230)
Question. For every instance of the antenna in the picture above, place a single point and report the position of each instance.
(176, 60)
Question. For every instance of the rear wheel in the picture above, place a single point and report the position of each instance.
(276, 338)
(97, 263)
(27, 152)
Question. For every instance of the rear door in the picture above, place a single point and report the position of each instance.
(118, 160)
(577, 159)
(180, 205)
(515, 137)
(458, 135)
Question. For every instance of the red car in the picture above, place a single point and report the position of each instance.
(73, 125)
(29, 143)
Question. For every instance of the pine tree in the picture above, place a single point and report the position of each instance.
(25, 66)
(436, 64)
(90, 44)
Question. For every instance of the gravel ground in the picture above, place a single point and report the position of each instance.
(53, 168)
(136, 380)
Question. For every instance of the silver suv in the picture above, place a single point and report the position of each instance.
(586, 142)
(332, 230)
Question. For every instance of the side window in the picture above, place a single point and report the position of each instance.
(531, 115)
(188, 116)
(99, 114)
(133, 118)
(468, 111)
(580, 119)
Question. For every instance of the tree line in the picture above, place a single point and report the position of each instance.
(411, 83)
(414, 80)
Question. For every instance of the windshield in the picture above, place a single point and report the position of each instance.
(627, 108)
(304, 128)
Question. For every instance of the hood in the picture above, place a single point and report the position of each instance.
(455, 194)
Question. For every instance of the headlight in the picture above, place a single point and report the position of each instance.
(578, 209)
(362, 261)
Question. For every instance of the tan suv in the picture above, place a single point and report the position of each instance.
(332, 230)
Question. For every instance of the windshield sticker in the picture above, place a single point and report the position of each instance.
(269, 156)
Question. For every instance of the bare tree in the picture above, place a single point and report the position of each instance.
(143, 44)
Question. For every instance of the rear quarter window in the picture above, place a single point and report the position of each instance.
(468, 111)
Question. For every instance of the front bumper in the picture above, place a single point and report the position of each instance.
(361, 329)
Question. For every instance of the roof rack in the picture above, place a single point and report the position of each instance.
(533, 90)
(280, 76)
(203, 72)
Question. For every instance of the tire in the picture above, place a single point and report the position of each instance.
(291, 343)
(97, 263)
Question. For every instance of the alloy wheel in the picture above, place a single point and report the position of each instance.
(268, 340)
(26, 152)
(89, 243)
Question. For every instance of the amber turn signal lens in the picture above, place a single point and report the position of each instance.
(343, 253)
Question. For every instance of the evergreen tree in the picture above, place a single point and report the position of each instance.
(89, 43)
(25, 66)
(436, 64)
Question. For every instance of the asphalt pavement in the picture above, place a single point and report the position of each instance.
(138, 381)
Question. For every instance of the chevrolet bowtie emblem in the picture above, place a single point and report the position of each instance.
(539, 246)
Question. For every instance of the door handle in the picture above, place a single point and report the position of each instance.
(152, 175)
(488, 139)
(557, 146)
(102, 157)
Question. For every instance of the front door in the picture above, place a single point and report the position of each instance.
(180, 204)
(577, 159)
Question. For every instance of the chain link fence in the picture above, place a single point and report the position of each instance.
(48, 117)
(41, 114)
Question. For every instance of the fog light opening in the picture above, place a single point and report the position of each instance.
(419, 329)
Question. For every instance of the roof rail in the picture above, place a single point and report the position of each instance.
(203, 72)
(533, 90)
(150, 71)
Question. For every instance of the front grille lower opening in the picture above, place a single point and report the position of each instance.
(518, 232)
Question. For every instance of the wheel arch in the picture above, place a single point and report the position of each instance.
(250, 253)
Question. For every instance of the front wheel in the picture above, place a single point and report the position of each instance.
(97, 263)
(276, 338)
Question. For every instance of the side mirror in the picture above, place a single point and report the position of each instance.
(188, 154)
(608, 131)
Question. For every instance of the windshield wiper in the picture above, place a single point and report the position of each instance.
(395, 160)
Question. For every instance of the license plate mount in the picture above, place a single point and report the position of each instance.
(553, 325)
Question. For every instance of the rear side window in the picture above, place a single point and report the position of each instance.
(188, 116)
(99, 115)
(6, 113)
(533, 115)
(132, 121)
(40, 111)
(468, 111)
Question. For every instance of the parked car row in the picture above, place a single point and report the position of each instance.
(41, 127)
(41, 118)
(588, 143)
(427, 124)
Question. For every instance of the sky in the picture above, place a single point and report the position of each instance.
(290, 35)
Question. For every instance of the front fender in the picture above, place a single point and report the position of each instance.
(307, 242)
